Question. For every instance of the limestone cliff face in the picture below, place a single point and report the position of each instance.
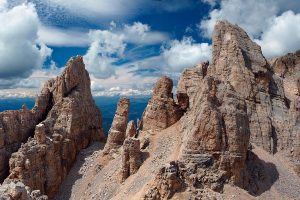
(161, 111)
(69, 121)
(15, 128)
(220, 129)
(238, 98)
(285, 101)
(271, 91)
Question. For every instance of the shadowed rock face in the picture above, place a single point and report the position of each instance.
(285, 102)
(161, 111)
(69, 121)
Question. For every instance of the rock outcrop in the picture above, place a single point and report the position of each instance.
(285, 106)
(219, 116)
(166, 183)
(69, 121)
(17, 190)
(131, 157)
(131, 130)
(161, 111)
(271, 92)
(189, 83)
(17, 126)
(222, 107)
(222, 111)
(117, 132)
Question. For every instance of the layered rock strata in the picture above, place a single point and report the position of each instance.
(71, 122)
(131, 157)
(221, 125)
(161, 111)
(117, 132)
(271, 92)
(285, 102)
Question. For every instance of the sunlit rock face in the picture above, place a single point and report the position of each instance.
(161, 111)
(66, 120)
(117, 132)
(237, 99)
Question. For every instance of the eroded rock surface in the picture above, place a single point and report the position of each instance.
(285, 102)
(131, 157)
(227, 101)
(161, 111)
(71, 121)
(131, 129)
(17, 190)
(17, 126)
(117, 132)
(189, 83)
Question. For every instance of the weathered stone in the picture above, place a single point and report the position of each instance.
(131, 129)
(15, 190)
(117, 132)
(15, 128)
(215, 128)
(131, 157)
(40, 134)
(69, 122)
(166, 183)
(161, 111)
(189, 83)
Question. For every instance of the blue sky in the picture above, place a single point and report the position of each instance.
(128, 44)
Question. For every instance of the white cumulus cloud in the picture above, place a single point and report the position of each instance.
(274, 24)
(283, 36)
(20, 50)
(185, 53)
(105, 49)
(250, 15)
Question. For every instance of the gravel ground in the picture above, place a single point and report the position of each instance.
(86, 182)
(285, 185)
(85, 161)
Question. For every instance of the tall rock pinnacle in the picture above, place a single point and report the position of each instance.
(66, 120)
(117, 132)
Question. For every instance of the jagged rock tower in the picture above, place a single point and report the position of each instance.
(63, 121)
